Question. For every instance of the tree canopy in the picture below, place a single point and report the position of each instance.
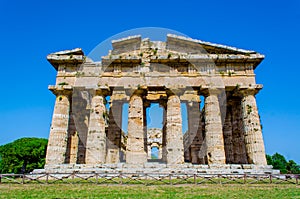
(278, 161)
(23, 155)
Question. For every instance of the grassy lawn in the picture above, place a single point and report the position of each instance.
(141, 191)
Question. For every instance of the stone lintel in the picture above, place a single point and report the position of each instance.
(206, 58)
(118, 59)
(247, 90)
(61, 90)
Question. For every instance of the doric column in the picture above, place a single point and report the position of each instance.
(163, 104)
(238, 140)
(186, 146)
(227, 131)
(160, 152)
(114, 132)
(149, 151)
(57, 144)
(195, 131)
(96, 138)
(136, 151)
(213, 128)
(174, 138)
(253, 133)
(73, 140)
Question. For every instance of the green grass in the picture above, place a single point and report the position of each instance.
(130, 180)
(141, 191)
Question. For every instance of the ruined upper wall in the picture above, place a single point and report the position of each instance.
(179, 61)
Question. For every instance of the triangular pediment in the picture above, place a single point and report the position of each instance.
(135, 49)
(175, 43)
(194, 46)
(175, 48)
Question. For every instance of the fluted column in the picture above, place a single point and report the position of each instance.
(57, 144)
(238, 140)
(195, 131)
(96, 138)
(174, 138)
(163, 104)
(213, 128)
(73, 140)
(136, 153)
(149, 152)
(227, 131)
(114, 132)
(253, 133)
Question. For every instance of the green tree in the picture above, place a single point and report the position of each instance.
(279, 162)
(269, 160)
(23, 155)
(292, 167)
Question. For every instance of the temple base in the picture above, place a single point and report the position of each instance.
(186, 168)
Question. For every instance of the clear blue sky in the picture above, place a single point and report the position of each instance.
(32, 29)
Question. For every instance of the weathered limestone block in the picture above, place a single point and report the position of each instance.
(96, 138)
(135, 150)
(114, 133)
(57, 144)
(213, 128)
(253, 133)
(174, 138)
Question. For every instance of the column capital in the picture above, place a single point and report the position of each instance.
(175, 91)
(163, 103)
(242, 91)
(212, 91)
(102, 92)
(139, 92)
(61, 90)
(119, 94)
(248, 91)
(190, 96)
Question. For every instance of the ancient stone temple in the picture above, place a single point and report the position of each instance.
(215, 82)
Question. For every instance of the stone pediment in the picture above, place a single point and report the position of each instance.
(135, 49)
(194, 46)
(175, 43)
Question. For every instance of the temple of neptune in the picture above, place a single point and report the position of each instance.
(215, 83)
